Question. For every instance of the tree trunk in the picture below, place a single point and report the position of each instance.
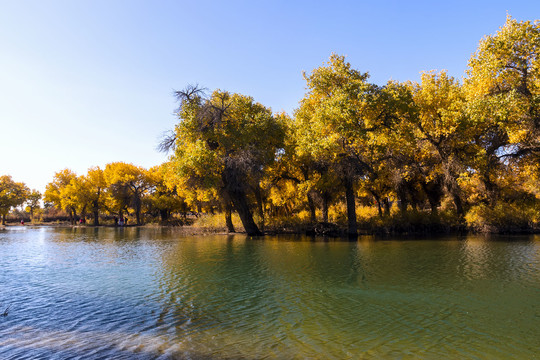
(378, 201)
(138, 210)
(3, 219)
(352, 230)
(72, 216)
(234, 188)
(386, 206)
(402, 197)
(164, 215)
(459, 205)
(491, 189)
(95, 210)
(434, 196)
(242, 208)
(379, 207)
(228, 217)
(454, 190)
(96, 217)
(83, 214)
(325, 203)
(260, 207)
(311, 205)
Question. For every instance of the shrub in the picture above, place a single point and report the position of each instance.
(503, 217)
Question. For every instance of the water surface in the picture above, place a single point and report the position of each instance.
(155, 293)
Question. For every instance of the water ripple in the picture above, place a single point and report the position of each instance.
(147, 294)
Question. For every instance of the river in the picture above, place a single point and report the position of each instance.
(155, 293)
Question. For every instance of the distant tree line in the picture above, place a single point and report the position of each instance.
(116, 191)
(441, 152)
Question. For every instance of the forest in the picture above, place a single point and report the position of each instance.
(438, 155)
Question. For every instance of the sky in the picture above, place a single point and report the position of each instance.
(88, 82)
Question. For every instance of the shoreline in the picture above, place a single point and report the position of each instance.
(333, 232)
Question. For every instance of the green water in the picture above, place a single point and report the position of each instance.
(156, 293)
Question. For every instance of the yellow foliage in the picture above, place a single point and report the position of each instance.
(503, 216)
(217, 222)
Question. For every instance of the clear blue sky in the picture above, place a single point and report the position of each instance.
(85, 83)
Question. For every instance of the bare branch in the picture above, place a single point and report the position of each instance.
(167, 142)
(189, 93)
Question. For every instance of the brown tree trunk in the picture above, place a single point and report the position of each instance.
(402, 197)
(72, 216)
(454, 190)
(138, 210)
(325, 204)
(83, 214)
(96, 217)
(459, 205)
(95, 210)
(491, 189)
(233, 186)
(311, 205)
(434, 194)
(3, 219)
(228, 217)
(164, 215)
(241, 205)
(386, 206)
(352, 230)
(378, 201)
(260, 205)
(379, 207)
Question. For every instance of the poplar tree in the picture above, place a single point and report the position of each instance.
(224, 142)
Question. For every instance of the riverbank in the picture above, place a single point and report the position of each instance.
(330, 230)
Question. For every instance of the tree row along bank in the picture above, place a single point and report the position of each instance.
(439, 155)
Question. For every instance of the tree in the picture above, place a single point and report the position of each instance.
(337, 117)
(164, 199)
(32, 202)
(64, 192)
(12, 194)
(291, 176)
(95, 183)
(224, 142)
(127, 184)
(444, 133)
(503, 93)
